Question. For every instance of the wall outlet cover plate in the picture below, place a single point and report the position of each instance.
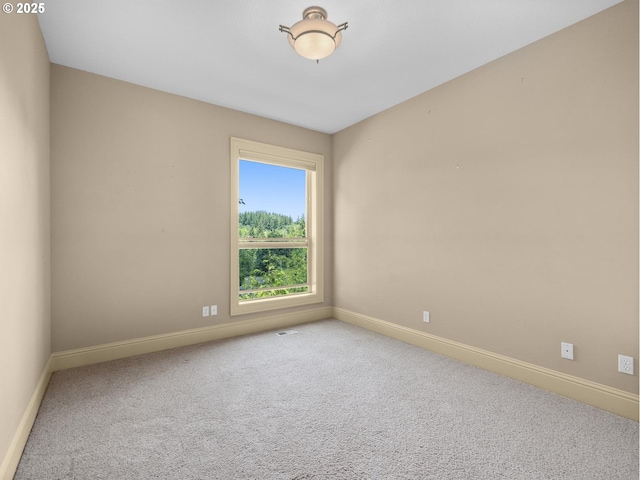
(625, 364)
(566, 350)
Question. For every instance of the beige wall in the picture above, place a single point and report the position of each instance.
(505, 202)
(140, 207)
(25, 325)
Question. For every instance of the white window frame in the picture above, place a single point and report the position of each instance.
(313, 164)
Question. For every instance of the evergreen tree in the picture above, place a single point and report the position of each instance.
(275, 267)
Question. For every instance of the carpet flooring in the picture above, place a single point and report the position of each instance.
(331, 401)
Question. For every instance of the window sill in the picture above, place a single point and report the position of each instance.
(273, 303)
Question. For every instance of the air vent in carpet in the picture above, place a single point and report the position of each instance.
(286, 332)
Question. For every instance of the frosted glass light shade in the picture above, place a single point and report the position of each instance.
(314, 37)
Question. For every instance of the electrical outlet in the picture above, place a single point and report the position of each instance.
(625, 364)
(566, 350)
(205, 311)
(214, 310)
(425, 316)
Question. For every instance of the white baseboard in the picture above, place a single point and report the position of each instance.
(129, 348)
(16, 447)
(601, 396)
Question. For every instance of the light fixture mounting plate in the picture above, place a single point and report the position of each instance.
(314, 12)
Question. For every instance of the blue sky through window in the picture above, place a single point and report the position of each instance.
(272, 188)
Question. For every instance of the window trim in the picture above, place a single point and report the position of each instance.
(241, 149)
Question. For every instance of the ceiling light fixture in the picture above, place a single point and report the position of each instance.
(314, 37)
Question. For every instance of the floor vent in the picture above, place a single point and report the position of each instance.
(286, 332)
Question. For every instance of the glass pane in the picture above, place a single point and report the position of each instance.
(272, 201)
(269, 268)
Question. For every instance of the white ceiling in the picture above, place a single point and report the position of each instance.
(230, 52)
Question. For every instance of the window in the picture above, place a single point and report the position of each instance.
(276, 227)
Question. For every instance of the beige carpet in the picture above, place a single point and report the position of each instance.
(330, 402)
